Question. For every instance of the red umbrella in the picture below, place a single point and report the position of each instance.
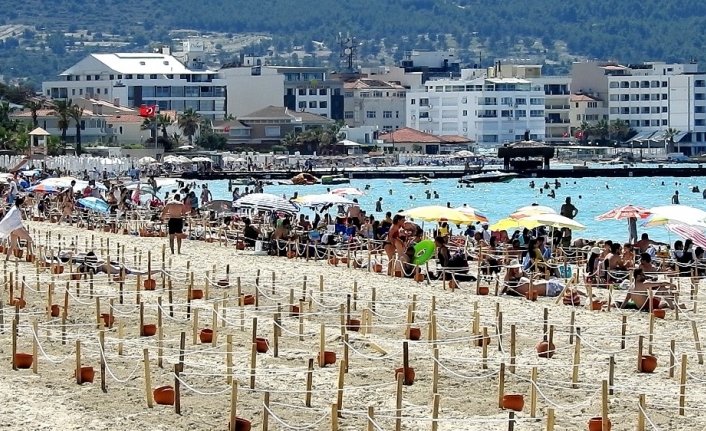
(625, 212)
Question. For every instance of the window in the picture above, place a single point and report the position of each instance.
(97, 77)
(412, 101)
(301, 105)
(424, 102)
(614, 111)
(645, 123)
(506, 114)
(593, 104)
(635, 97)
(323, 104)
(634, 84)
(98, 91)
(464, 113)
(536, 101)
(386, 114)
(664, 83)
(664, 109)
(302, 92)
(128, 76)
(272, 131)
(624, 97)
(654, 123)
(153, 76)
(506, 101)
(654, 96)
(464, 100)
(323, 91)
(645, 97)
(312, 92)
(578, 117)
(377, 93)
(370, 114)
(624, 84)
(664, 122)
(613, 98)
(625, 111)
(73, 91)
(139, 76)
(699, 96)
(523, 101)
(520, 113)
(535, 113)
(655, 110)
(424, 114)
(614, 84)
(348, 115)
(489, 138)
(664, 96)
(88, 77)
(312, 104)
(654, 84)
(645, 110)
(634, 110)
(698, 122)
(349, 94)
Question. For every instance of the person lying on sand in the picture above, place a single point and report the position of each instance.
(638, 293)
(516, 283)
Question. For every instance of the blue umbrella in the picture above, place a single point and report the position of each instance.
(94, 204)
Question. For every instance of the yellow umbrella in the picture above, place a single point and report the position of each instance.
(510, 223)
(438, 213)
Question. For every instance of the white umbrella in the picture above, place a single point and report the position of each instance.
(352, 191)
(172, 159)
(683, 214)
(555, 221)
(464, 153)
(186, 147)
(531, 210)
(265, 202)
(326, 199)
(201, 159)
(230, 159)
(146, 160)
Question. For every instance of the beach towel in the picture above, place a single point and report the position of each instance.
(11, 221)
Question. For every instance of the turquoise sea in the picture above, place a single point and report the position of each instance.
(592, 197)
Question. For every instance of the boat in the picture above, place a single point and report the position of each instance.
(488, 177)
(304, 179)
(417, 180)
(335, 179)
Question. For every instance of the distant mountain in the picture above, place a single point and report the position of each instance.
(627, 30)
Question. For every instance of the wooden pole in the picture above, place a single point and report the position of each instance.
(672, 356)
(148, 381)
(233, 402)
(253, 364)
(101, 340)
(640, 414)
(266, 401)
(309, 378)
(577, 360)
(501, 385)
(341, 381)
(435, 413)
(512, 349)
(229, 358)
(398, 404)
(550, 419)
(604, 404)
(533, 394)
(682, 385)
(78, 362)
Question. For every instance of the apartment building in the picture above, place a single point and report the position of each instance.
(312, 90)
(136, 79)
(374, 102)
(490, 111)
(652, 97)
(251, 87)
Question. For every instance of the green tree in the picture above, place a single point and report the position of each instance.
(619, 129)
(189, 122)
(34, 107)
(61, 110)
(669, 136)
(76, 114)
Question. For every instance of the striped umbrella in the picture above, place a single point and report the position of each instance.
(689, 232)
(625, 212)
(265, 202)
(43, 188)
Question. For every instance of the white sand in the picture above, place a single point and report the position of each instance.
(468, 393)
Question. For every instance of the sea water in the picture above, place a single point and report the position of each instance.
(591, 196)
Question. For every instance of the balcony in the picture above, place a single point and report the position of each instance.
(549, 120)
(564, 107)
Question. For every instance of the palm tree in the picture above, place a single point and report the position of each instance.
(669, 136)
(602, 129)
(163, 121)
(176, 139)
(189, 122)
(619, 129)
(61, 111)
(34, 108)
(586, 131)
(150, 123)
(76, 113)
(291, 139)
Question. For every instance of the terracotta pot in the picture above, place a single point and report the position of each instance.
(482, 340)
(453, 285)
(30, 258)
(333, 261)
(18, 302)
(648, 363)
(483, 290)
(209, 240)
(126, 232)
(150, 284)
(149, 330)
(596, 305)
(419, 277)
(329, 358)
(513, 402)
(162, 234)
(398, 273)
(659, 313)
(241, 425)
(572, 298)
(196, 294)
(248, 300)
(262, 345)
(596, 424)
(240, 245)
(531, 295)
(107, 229)
(118, 279)
(87, 375)
(3, 249)
(408, 376)
(108, 320)
(545, 349)
(377, 267)
(57, 269)
(206, 335)
(164, 395)
(415, 334)
(54, 310)
(355, 263)
(23, 360)
(18, 253)
(223, 283)
(353, 325)
(294, 311)
(91, 227)
(75, 277)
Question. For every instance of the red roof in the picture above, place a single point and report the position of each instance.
(584, 98)
(413, 136)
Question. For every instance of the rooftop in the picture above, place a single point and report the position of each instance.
(409, 135)
(48, 113)
(584, 98)
(131, 63)
(281, 113)
(369, 83)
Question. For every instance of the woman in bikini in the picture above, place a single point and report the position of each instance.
(11, 227)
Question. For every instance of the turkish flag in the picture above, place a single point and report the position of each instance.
(579, 135)
(226, 129)
(565, 135)
(148, 111)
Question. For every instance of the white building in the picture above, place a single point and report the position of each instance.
(374, 102)
(652, 97)
(490, 111)
(312, 90)
(250, 88)
(136, 79)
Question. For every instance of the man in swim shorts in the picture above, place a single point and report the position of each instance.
(173, 212)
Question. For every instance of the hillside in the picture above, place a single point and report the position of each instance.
(629, 30)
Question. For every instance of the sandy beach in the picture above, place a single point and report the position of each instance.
(467, 384)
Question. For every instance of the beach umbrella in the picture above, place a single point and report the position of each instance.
(230, 159)
(172, 159)
(689, 232)
(265, 202)
(321, 200)
(683, 214)
(199, 159)
(514, 224)
(438, 213)
(463, 154)
(531, 210)
(473, 213)
(93, 204)
(186, 147)
(43, 188)
(146, 161)
(625, 212)
(555, 221)
(351, 191)
(218, 206)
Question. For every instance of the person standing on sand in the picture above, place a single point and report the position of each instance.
(173, 212)
(11, 226)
